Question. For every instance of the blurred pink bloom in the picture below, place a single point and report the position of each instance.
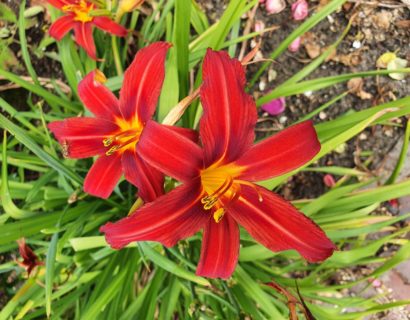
(300, 9)
(376, 283)
(295, 45)
(329, 181)
(259, 26)
(275, 107)
(275, 6)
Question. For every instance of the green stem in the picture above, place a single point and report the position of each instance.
(116, 54)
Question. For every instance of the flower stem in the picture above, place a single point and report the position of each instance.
(116, 54)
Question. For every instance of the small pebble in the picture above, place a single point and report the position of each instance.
(341, 148)
(322, 115)
(357, 44)
(330, 18)
(308, 93)
(363, 136)
(262, 85)
(283, 119)
(272, 74)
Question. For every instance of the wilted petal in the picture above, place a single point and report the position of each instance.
(329, 181)
(274, 107)
(30, 259)
(295, 45)
(300, 9)
(275, 6)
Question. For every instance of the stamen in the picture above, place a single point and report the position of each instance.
(210, 200)
(118, 138)
(112, 150)
(218, 214)
(107, 142)
(250, 184)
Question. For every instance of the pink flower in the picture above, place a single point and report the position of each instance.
(300, 9)
(274, 6)
(295, 45)
(275, 107)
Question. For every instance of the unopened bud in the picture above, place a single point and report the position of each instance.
(129, 5)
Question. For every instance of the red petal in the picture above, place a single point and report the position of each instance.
(58, 3)
(97, 98)
(143, 81)
(187, 133)
(174, 216)
(82, 137)
(229, 117)
(170, 152)
(278, 225)
(149, 181)
(110, 26)
(60, 27)
(220, 249)
(83, 35)
(281, 153)
(103, 176)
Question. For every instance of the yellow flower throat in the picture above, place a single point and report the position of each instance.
(125, 138)
(222, 187)
(81, 10)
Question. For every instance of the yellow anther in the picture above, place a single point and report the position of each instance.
(218, 214)
(209, 202)
(112, 150)
(107, 142)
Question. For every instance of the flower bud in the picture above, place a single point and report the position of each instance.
(295, 45)
(129, 5)
(300, 9)
(329, 181)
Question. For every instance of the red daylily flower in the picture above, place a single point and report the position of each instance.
(118, 124)
(30, 259)
(77, 16)
(217, 191)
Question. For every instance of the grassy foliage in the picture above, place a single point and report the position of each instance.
(42, 199)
